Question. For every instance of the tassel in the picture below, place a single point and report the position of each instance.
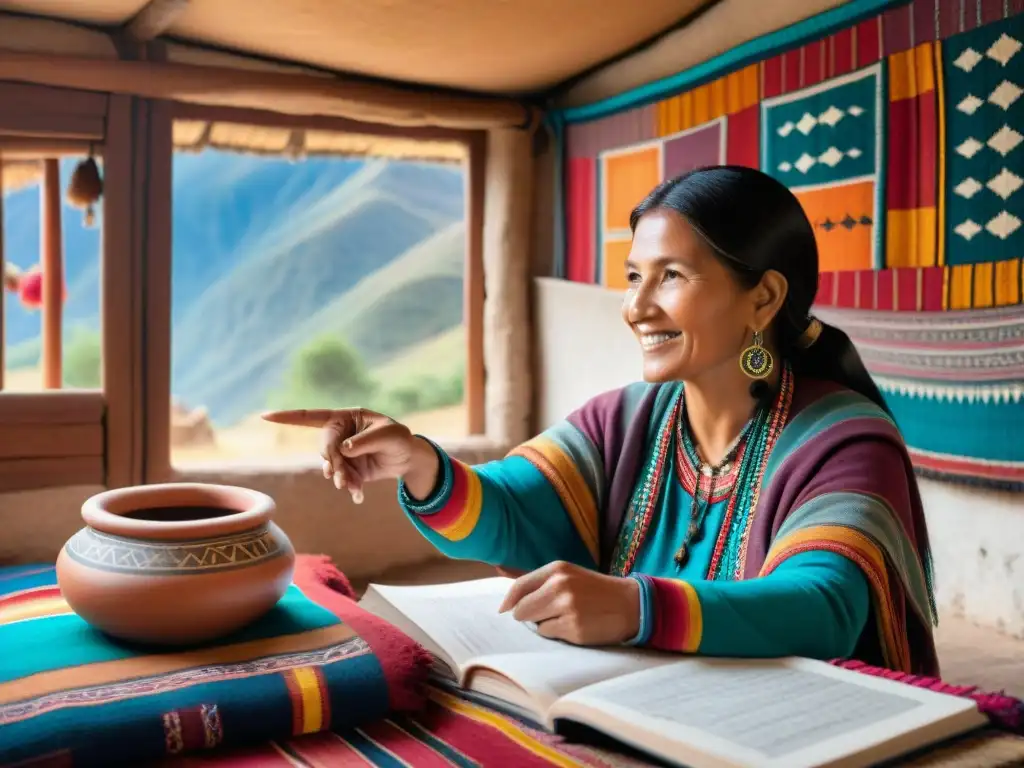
(86, 188)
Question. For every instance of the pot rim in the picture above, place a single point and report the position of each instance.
(105, 511)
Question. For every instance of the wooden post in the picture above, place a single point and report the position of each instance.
(473, 302)
(3, 284)
(52, 263)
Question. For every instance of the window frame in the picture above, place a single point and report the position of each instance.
(156, 291)
(58, 438)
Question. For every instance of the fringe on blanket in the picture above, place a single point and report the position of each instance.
(405, 663)
(327, 573)
(1003, 711)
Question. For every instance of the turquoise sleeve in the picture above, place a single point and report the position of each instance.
(815, 604)
(505, 513)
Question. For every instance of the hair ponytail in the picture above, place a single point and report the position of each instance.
(832, 357)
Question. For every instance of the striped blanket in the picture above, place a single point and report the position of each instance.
(273, 712)
(449, 731)
(72, 696)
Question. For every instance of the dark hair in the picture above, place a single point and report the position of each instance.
(753, 224)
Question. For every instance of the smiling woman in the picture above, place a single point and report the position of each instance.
(753, 497)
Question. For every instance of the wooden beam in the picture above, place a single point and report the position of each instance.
(53, 274)
(290, 93)
(37, 124)
(155, 18)
(27, 148)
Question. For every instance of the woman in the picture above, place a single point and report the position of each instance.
(753, 497)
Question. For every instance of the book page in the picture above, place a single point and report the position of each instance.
(560, 670)
(737, 712)
(463, 619)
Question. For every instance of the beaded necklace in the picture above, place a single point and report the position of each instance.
(702, 501)
(751, 451)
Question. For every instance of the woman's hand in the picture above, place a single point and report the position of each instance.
(575, 604)
(360, 446)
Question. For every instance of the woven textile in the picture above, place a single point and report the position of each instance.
(902, 135)
(71, 696)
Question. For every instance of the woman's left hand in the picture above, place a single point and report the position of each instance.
(575, 604)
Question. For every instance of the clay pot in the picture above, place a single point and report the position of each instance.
(175, 564)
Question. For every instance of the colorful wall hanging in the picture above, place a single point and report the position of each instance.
(900, 127)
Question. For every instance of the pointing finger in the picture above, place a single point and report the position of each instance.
(301, 417)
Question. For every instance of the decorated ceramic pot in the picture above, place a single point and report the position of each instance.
(175, 564)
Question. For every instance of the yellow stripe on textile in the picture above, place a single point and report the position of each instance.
(861, 550)
(511, 730)
(725, 96)
(308, 683)
(561, 471)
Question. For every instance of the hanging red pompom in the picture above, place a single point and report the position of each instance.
(30, 288)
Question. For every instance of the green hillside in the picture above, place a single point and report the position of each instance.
(365, 263)
(392, 310)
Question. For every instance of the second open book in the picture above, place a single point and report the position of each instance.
(703, 713)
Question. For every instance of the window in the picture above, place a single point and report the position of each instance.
(68, 410)
(35, 202)
(303, 277)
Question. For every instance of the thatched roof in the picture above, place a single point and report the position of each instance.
(197, 135)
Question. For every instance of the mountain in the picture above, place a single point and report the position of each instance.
(268, 255)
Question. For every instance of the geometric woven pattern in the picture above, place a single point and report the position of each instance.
(902, 136)
(984, 82)
(823, 143)
(114, 553)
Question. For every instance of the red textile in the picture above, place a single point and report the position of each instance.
(405, 663)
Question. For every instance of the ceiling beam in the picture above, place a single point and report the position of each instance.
(155, 18)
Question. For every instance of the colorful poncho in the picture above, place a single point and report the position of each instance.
(837, 530)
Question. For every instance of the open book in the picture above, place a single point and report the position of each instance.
(703, 713)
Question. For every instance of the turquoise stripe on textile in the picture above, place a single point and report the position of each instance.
(373, 754)
(584, 454)
(824, 413)
(57, 642)
(26, 577)
(746, 53)
(983, 430)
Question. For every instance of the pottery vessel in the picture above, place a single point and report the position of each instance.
(175, 564)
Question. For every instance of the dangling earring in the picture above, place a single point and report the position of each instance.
(756, 361)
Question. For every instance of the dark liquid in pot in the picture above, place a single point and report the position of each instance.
(179, 514)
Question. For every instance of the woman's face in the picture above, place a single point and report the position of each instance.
(689, 313)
